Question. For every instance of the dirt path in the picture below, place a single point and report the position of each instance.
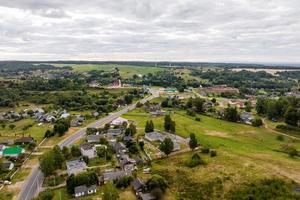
(277, 132)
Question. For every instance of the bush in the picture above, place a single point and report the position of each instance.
(190, 112)
(205, 150)
(280, 138)
(257, 122)
(288, 128)
(124, 182)
(289, 149)
(213, 153)
(195, 161)
(46, 195)
(198, 119)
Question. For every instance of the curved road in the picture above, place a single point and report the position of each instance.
(35, 179)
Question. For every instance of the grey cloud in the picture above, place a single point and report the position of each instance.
(229, 30)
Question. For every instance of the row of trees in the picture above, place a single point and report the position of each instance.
(287, 108)
(61, 126)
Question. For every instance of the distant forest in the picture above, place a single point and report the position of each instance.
(41, 64)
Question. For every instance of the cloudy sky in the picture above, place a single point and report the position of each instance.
(174, 30)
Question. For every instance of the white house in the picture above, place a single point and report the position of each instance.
(89, 150)
(83, 190)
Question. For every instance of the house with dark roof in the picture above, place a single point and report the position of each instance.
(7, 166)
(89, 150)
(84, 190)
(246, 117)
(114, 132)
(113, 176)
(120, 148)
(24, 140)
(93, 138)
(75, 166)
(138, 185)
(126, 163)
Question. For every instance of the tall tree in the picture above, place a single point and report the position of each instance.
(292, 116)
(168, 122)
(193, 143)
(166, 146)
(110, 192)
(173, 126)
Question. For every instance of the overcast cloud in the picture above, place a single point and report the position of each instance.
(175, 30)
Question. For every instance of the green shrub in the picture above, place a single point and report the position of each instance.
(195, 161)
(280, 138)
(257, 122)
(205, 150)
(213, 153)
(198, 119)
(288, 128)
(124, 182)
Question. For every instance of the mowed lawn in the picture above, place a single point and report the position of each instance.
(233, 141)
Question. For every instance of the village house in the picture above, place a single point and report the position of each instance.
(13, 152)
(93, 138)
(126, 163)
(120, 148)
(77, 121)
(24, 140)
(237, 103)
(138, 185)
(114, 132)
(113, 176)
(7, 166)
(156, 136)
(218, 90)
(75, 166)
(119, 121)
(88, 150)
(83, 190)
(246, 117)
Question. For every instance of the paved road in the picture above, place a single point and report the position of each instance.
(35, 179)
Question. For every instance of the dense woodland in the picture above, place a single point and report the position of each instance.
(246, 81)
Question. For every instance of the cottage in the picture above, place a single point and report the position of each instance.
(83, 190)
(93, 138)
(246, 117)
(114, 132)
(138, 185)
(127, 163)
(113, 176)
(7, 166)
(24, 140)
(119, 121)
(154, 136)
(75, 166)
(127, 138)
(120, 148)
(13, 152)
(88, 150)
(65, 115)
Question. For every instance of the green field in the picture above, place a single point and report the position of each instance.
(36, 131)
(125, 70)
(245, 153)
